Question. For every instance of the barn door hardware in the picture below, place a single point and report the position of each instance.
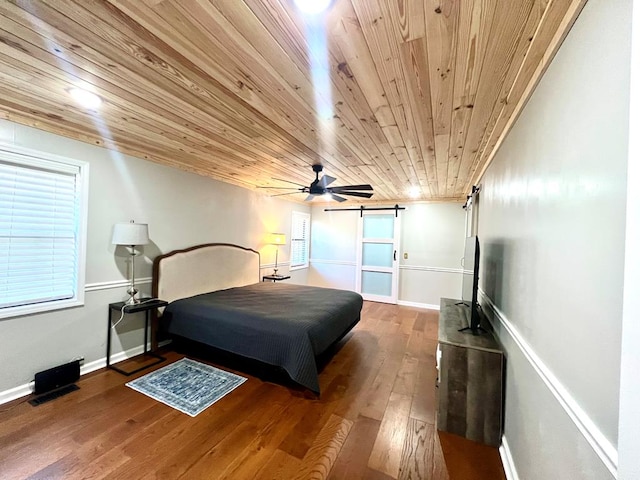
(362, 209)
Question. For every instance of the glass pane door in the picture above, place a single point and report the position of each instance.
(377, 257)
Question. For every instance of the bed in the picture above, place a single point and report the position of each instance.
(216, 298)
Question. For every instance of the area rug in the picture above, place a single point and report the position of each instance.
(187, 385)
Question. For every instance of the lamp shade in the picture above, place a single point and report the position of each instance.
(277, 238)
(130, 234)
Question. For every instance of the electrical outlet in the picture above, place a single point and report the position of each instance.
(406, 255)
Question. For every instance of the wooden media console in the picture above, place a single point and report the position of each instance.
(470, 377)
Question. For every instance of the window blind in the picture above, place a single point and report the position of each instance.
(299, 240)
(39, 227)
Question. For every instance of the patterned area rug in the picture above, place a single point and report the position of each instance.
(187, 385)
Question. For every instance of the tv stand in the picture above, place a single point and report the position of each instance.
(474, 331)
(470, 378)
(477, 331)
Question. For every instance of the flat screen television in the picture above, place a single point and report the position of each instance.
(470, 276)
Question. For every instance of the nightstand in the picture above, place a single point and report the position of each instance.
(145, 305)
(275, 278)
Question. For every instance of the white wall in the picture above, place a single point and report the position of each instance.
(432, 236)
(629, 423)
(552, 232)
(181, 208)
(334, 237)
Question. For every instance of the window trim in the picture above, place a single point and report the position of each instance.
(293, 267)
(38, 159)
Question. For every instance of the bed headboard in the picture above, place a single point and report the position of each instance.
(204, 268)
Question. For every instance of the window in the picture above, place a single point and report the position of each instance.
(299, 240)
(43, 204)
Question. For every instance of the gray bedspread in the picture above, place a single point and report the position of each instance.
(280, 324)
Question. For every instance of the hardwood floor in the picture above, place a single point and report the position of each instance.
(374, 420)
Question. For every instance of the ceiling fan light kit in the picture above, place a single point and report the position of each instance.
(320, 186)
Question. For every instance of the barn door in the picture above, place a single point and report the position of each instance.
(377, 259)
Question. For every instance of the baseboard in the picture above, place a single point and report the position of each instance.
(507, 460)
(428, 306)
(27, 388)
(602, 447)
(16, 392)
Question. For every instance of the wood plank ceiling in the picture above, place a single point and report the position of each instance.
(395, 93)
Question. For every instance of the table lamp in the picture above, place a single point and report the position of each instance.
(131, 234)
(277, 239)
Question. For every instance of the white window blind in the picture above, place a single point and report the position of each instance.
(299, 240)
(41, 215)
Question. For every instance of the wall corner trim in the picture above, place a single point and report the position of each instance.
(603, 448)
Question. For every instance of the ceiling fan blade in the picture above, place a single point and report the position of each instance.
(326, 180)
(282, 188)
(353, 187)
(289, 181)
(281, 194)
(357, 194)
(320, 187)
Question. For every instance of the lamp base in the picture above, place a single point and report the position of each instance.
(132, 297)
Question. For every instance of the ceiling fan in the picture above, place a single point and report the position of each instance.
(320, 186)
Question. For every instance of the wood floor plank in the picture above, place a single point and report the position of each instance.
(371, 474)
(182, 433)
(378, 392)
(422, 346)
(423, 404)
(350, 406)
(386, 453)
(281, 466)
(431, 323)
(360, 373)
(395, 344)
(420, 323)
(29, 438)
(296, 443)
(406, 379)
(408, 317)
(354, 456)
(300, 438)
(321, 457)
(212, 463)
(417, 453)
(439, 470)
(100, 455)
(465, 459)
(237, 427)
(251, 458)
(374, 420)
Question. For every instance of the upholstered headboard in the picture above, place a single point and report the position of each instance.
(204, 268)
